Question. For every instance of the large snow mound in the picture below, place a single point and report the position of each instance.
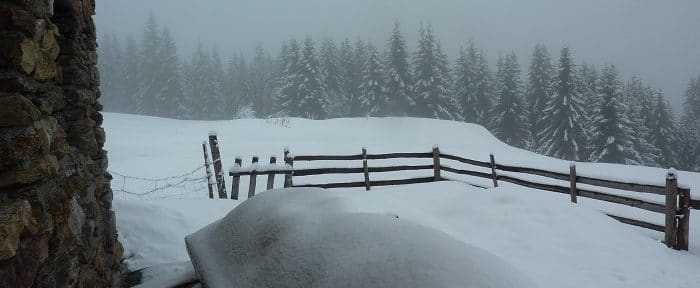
(313, 238)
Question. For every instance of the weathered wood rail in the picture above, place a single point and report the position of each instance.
(676, 207)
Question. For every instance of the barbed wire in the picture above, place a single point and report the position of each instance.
(163, 188)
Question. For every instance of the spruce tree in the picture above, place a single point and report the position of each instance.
(509, 115)
(150, 69)
(345, 67)
(260, 82)
(354, 79)
(611, 141)
(373, 98)
(332, 78)
(169, 99)
(312, 101)
(398, 72)
(290, 79)
(216, 108)
(688, 156)
(432, 85)
(663, 132)
(132, 77)
(472, 86)
(540, 90)
(639, 104)
(562, 135)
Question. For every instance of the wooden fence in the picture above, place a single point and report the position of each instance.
(676, 208)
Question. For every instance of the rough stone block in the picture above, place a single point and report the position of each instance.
(17, 110)
(15, 219)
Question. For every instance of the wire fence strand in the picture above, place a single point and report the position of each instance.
(183, 186)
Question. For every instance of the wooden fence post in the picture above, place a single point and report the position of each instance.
(290, 162)
(253, 177)
(684, 219)
(493, 171)
(572, 180)
(216, 158)
(236, 180)
(436, 163)
(208, 170)
(271, 173)
(671, 209)
(365, 168)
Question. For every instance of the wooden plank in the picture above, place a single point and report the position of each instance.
(539, 186)
(494, 176)
(638, 223)
(436, 163)
(617, 199)
(208, 170)
(373, 183)
(533, 171)
(683, 219)
(327, 157)
(253, 179)
(465, 161)
(671, 209)
(651, 189)
(572, 181)
(399, 155)
(365, 169)
(333, 170)
(236, 182)
(218, 167)
(271, 174)
(465, 172)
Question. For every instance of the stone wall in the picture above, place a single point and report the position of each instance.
(57, 228)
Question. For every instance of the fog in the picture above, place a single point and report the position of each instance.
(657, 40)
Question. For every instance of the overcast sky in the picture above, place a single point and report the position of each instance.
(658, 40)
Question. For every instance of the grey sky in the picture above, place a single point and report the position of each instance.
(655, 39)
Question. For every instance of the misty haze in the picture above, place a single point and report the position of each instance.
(350, 143)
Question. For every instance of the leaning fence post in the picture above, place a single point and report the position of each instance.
(236, 179)
(208, 170)
(271, 173)
(216, 158)
(572, 180)
(289, 164)
(436, 163)
(253, 177)
(671, 209)
(365, 168)
(684, 219)
(493, 171)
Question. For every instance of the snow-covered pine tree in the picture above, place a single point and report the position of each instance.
(215, 90)
(331, 76)
(132, 76)
(354, 79)
(472, 86)
(196, 83)
(312, 102)
(345, 67)
(509, 115)
(150, 68)
(170, 97)
(540, 87)
(688, 155)
(588, 86)
(398, 72)
(611, 141)
(639, 103)
(373, 98)
(663, 132)
(562, 135)
(290, 79)
(432, 87)
(260, 82)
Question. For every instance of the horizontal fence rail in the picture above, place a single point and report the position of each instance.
(676, 207)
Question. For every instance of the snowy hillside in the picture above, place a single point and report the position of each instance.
(540, 233)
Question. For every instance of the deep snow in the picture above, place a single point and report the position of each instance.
(556, 243)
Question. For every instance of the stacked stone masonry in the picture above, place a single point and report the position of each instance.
(57, 227)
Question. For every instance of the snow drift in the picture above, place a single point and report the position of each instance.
(313, 238)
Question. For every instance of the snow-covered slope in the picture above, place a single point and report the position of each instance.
(554, 242)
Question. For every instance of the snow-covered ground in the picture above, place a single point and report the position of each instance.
(554, 242)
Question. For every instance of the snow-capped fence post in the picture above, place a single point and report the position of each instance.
(208, 170)
(572, 181)
(235, 187)
(288, 161)
(365, 168)
(494, 176)
(271, 174)
(671, 227)
(684, 219)
(253, 177)
(436, 163)
(218, 170)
